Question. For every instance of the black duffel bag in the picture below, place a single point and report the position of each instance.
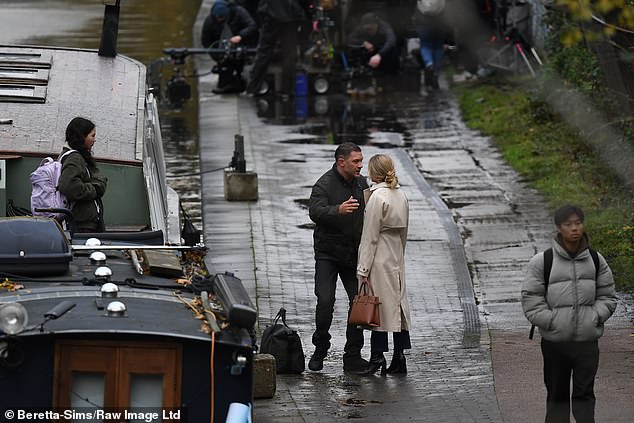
(284, 344)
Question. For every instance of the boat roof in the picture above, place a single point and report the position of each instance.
(155, 305)
(43, 88)
(160, 286)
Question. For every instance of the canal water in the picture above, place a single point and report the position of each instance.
(146, 27)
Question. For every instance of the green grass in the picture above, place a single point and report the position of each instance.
(554, 159)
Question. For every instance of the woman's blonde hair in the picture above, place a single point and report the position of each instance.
(381, 167)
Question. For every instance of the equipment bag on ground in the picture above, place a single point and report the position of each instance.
(284, 344)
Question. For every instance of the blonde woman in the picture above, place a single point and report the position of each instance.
(381, 261)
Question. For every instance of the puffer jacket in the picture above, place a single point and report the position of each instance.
(336, 237)
(575, 306)
(84, 190)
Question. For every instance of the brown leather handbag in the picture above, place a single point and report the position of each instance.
(365, 308)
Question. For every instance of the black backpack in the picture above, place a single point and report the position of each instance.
(284, 344)
(548, 266)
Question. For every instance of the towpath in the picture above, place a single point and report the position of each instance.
(474, 225)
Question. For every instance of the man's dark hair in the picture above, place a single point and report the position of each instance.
(369, 18)
(345, 149)
(564, 212)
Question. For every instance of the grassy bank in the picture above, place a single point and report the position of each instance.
(553, 159)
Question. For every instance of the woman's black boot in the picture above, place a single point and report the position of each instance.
(398, 364)
(377, 361)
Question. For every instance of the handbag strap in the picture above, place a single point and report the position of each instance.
(281, 315)
(366, 288)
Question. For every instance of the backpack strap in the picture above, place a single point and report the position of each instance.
(597, 264)
(64, 154)
(548, 267)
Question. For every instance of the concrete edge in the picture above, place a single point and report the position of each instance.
(472, 328)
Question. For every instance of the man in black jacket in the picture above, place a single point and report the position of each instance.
(280, 22)
(374, 40)
(232, 24)
(336, 206)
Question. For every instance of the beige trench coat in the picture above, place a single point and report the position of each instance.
(382, 254)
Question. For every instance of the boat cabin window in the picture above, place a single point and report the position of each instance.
(121, 375)
(87, 390)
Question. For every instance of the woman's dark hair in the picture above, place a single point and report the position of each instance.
(76, 133)
(564, 212)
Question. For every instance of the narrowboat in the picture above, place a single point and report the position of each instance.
(125, 325)
(95, 328)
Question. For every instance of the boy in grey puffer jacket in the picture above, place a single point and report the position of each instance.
(569, 311)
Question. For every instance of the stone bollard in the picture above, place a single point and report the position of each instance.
(240, 185)
(263, 376)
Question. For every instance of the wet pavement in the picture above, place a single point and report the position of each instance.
(474, 225)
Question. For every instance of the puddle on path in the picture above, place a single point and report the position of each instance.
(335, 119)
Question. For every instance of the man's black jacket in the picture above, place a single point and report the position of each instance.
(239, 21)
(336, 236)
(284, 10)
(384, 41)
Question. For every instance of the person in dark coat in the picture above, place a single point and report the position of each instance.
(228, 22)
(80, 180)
(251, 6)
(375, 41)
(336, 206)
(570, 310)
(280, 23)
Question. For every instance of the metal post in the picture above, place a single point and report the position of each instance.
(110, 29)
(241, 164)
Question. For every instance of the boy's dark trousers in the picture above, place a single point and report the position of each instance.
(561, 359)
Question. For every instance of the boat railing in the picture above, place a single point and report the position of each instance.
(161, 195)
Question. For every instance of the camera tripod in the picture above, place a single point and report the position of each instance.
(515, 43)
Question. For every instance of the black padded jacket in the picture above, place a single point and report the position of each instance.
(336, 237)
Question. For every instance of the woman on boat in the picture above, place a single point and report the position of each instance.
(80, 180)
(382, 263)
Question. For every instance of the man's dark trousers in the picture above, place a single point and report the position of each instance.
(230, 74)
(560, 360)
(271, 32)
(326, 272)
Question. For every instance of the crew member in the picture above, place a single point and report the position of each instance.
(280, 23)
(376, 41)
(227, 26)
